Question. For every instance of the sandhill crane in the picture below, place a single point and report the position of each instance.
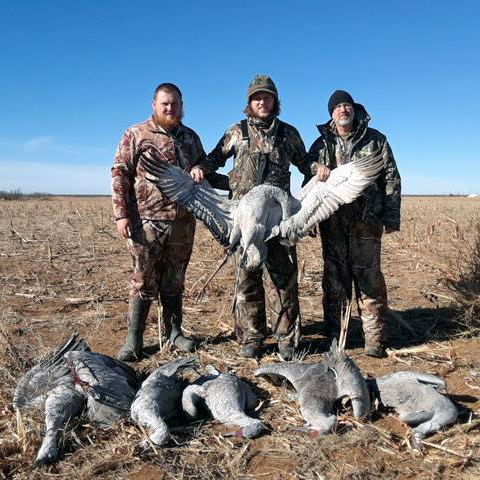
(227, 397)
(320, 385)
(416, 398)
(265, 211)
(49, 383)
(159, 399)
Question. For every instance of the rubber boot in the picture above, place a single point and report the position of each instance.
(137, 316)
(172, 317)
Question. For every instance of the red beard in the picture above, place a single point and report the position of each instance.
(169, 123)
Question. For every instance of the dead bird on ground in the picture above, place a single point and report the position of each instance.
(227, 397)
(416, 398)
(159, 399)
(49, 383)
(320, 385)
(32, 389)
(109, 385)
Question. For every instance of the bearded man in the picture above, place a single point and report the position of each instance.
(160, 233)
(263, 147)
(351, 237)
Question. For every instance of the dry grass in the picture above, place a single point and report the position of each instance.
(463, 276)
(62, 268)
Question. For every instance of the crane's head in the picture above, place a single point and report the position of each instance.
(321, 424)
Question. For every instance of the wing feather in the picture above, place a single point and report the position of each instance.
(321, 199)
(201, 199)
(44, 376)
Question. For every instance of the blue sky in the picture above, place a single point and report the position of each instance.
(76, 74)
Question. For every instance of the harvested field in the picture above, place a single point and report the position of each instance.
(63, 269)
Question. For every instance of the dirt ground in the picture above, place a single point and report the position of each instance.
(63, 269)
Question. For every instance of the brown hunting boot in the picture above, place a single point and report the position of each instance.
(172, 317)
(373, 330)
(137, 316)
(374, 349)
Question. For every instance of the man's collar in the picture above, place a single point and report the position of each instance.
(334, 130)
(267, 125)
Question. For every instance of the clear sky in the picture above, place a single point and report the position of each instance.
(74, 75)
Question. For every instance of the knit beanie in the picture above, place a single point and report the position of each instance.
(339, 96)
(262, 83)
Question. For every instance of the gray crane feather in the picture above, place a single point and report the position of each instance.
(110, 385)
(49, 372)
(159, 399)
(228, 398)
(319, 200)
(214, 210)
(416, 398)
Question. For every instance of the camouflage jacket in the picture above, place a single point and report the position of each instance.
(382, 199)
(133, 195)
(263, 158)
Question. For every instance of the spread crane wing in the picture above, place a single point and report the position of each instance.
(215, 211)
(43, 377)
(104, 379)
(320, 200)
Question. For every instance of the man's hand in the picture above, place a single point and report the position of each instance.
(197, 174)
(124, 227)
(323, 172)
(389, 230)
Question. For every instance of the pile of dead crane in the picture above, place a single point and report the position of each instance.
(74, 380)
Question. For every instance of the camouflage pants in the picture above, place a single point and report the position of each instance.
(282, 295)
(351, 252)
(160, 251)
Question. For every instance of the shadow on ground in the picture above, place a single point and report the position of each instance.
(405, 328)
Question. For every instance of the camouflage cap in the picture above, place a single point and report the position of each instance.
(262, 83)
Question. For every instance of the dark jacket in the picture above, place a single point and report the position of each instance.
(382, 199)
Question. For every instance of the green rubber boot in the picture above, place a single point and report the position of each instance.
(138, 309)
